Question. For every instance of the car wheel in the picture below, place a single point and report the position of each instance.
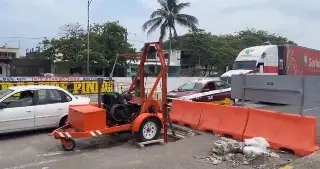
(149, 130)
(63, 121)
(232, 102)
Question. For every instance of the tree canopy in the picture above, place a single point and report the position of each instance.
(218, 51)
(211, 52)
(106, 41)
(167, 16)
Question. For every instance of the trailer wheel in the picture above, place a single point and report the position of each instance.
(68, 144)
(149, 130)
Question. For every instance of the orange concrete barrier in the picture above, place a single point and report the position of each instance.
(175, 113)
(283, 131)
(185, 113)
(223, 120)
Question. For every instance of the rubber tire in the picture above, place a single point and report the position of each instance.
(232, 102)
(70, 141)
(63, 121)
(139, 135)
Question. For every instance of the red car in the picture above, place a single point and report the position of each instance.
(207, 90)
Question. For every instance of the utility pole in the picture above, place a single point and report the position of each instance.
(6, 68)
(6, 45)
(88, 30)
(117, 54)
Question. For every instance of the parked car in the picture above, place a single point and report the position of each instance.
(34, 107)
(207, 90)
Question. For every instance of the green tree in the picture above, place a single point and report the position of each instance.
(167, 16)
(200, 46)
(48, 49)
(106, 40)
(228, 48)
(110, 39)
(253, 37)
(214, 52)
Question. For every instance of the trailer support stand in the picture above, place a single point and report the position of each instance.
(142, 145)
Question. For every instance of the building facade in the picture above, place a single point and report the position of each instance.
(29, 67)
(152, 64)
(6, 55)
(11, 64)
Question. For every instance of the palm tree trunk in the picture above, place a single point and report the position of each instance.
(170, 47)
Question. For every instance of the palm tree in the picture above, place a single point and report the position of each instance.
(166, 18)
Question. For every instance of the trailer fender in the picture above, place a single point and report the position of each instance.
(138, 121)
(154, 104)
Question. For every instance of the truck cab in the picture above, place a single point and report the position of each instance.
(256, 59)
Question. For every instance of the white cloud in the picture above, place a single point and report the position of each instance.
(295, 19)
(36, 19)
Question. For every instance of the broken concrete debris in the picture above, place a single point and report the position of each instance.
(252, 152)
(190, 133)
(226, 146)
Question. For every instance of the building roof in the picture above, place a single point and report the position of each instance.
(5, 48)
(206, 80)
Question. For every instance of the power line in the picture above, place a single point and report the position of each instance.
(37, 38)
(22, 37)
(136, 40)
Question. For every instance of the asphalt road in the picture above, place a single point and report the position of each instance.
(37, 150)
(309, 162)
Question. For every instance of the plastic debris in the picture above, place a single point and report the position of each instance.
(259, 142)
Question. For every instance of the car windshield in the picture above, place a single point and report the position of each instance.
(222, 85)
(249, 64)
(191, 86)
(5, 92)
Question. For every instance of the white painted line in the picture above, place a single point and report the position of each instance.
(60, 134)
(51, 153)
(31, 164)
(93, 134)
(99, 132)
(311, 109)
(68, 135)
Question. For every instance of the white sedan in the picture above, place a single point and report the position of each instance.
(34, 107)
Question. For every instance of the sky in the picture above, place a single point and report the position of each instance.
(32, 20)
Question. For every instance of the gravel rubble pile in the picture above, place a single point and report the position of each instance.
(232, 153)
